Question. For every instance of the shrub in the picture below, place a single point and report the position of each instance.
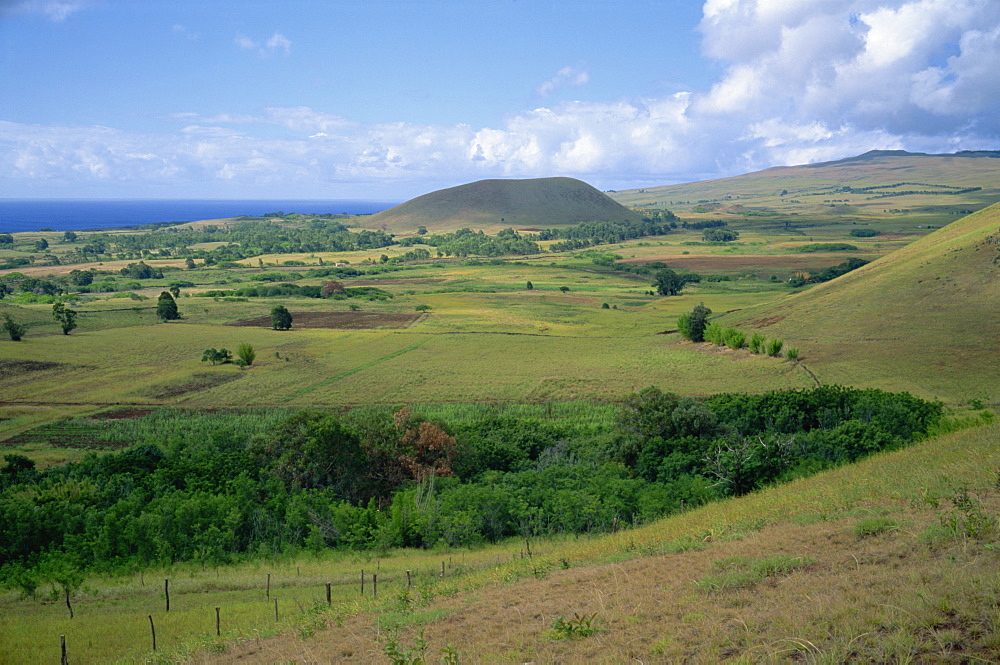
(757, 341)
(245, 352)
(217, 356)
(713, 334)
(281, 318)
(581, 625)
(792, 353)
(12, 328)
(733, 338)
(774, 347)
(422, 308)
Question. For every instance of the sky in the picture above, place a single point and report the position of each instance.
(389, 100)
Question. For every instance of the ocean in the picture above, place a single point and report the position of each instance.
(83, 214)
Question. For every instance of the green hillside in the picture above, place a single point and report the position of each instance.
(496, 204)
(892, 188)
(922, 319)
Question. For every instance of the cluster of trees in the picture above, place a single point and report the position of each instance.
(827, 274)
(466, 242)
(378, 477)
(696, 327)
(589, 234)
(283, 289)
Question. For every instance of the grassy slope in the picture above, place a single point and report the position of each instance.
(810, 187)
(910, 594)
(537, 202)
(922, 319)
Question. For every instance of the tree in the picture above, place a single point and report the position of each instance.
(166, 307)
(66, 317)
(217, 356)
(529, 286)
(281, 318)
(720, 235)
(564, 289)
(668, 282)
(81, 277)
(175, 291)
(69, 236)
(189, 263)
(14, 329)
(333, 288)
(246, 353)
(6, 239)
(41, 244)
(421, 230)
(692, 326)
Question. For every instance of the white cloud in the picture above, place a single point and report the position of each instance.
(803, 82)
(564, 78)
(276, 43)
(54, 10)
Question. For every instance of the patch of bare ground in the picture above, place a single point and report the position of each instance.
(199, 381)
(11, 368)
(339, 320)
(884, 598)
(765, 322)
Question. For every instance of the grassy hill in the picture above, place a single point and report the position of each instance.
(888, 188)
(922, 319)
(497, 204)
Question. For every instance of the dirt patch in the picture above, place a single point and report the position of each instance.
(338, 320)
(200, 381)
(124, 413)
(9, 368)
(763, 323)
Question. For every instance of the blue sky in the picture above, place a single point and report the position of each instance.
(388, 100)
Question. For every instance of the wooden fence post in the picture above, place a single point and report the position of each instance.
(152, 629)
(362, 581)
(166, 592)
(275, 609)
(218, 623)
(375, 585)
(62, 646)
(328, 599)
(269, 585)
(408, 582)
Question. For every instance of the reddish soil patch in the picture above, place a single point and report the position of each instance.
(339, 320)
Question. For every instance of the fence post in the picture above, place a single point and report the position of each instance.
(166, 592)
(62, 646)
(218, 623)
(328, 600)
(408, 583)
(275, 609)
(375, 585)
(269, 585)
(362, 581)
(152, 629)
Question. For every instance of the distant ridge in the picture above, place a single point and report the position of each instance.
(527, 203)
(877, 154)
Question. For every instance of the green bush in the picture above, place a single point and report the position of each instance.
(733, 338)
(774, 347)
(756, 343)
(792, 353)
(713, 334)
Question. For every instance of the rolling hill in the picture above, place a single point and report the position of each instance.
(922, 319)
(496, 204)
(878, 185)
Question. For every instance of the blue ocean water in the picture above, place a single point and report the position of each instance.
(79, 214)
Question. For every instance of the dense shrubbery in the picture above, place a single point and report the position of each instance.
(377, 478)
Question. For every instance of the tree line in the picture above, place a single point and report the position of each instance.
(380, 477)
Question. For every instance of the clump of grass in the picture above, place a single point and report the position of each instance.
(742, 572)
(792, 353)
(875, 525)
(580, 626)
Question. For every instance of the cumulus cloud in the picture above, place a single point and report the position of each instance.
(276, 43)
(801, 82)
(565, 77)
